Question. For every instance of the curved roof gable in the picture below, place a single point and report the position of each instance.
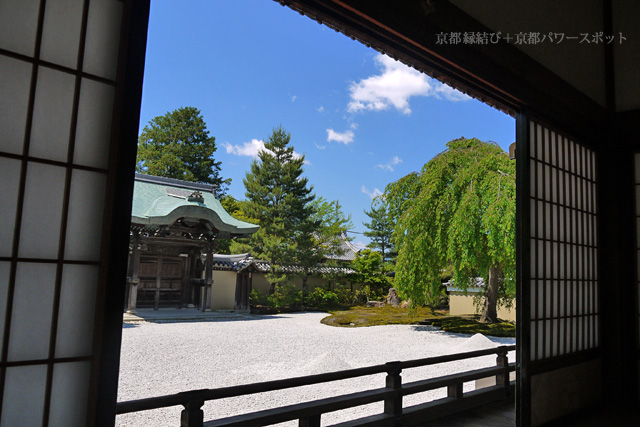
(161, 201)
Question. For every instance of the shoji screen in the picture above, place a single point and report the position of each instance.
(564, 286)
(560, 294)
(59, 65)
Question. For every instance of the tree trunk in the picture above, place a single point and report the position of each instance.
(490, 311)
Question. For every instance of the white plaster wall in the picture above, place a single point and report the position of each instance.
(223, 291)
(463, 304)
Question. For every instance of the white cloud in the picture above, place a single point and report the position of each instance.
(353, 126)
(359, 244)
(390, 166)
(320, 147)
(293, 98)
(450, 94)
(320, 109)
(373, 194)
(394, 87)
(344, 137)
(252, 148)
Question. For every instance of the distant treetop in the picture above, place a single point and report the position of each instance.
(177, 145)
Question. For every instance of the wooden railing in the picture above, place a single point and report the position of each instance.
(309, 413)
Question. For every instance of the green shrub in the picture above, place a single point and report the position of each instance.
(285, 295)
(255, 297)
(345, 296)
(322, 298)
(366, 293)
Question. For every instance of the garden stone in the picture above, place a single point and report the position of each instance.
(393, 298)
(377, 304)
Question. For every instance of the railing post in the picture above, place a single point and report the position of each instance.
(312, 421)
(192, 414)
(503, 361)
(455, 391)
(393, 405)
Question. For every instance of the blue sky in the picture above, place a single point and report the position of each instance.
(361, 119)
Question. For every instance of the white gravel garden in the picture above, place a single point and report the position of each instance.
(166, 358)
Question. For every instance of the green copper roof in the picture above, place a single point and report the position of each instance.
(161, 201)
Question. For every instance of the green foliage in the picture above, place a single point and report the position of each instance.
(279, 197)
(256, 297)
(325, 242)
(177, 145)
(285, 295)
(236, 209)
(345, 296)
(322, 298)
(370, 272)
(459, 212)
(381, 229)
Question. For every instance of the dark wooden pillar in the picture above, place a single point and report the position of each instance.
(135, 280)
(156, 301)
(205, 300)
(186, 282)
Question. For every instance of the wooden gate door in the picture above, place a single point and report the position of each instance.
(243, 288)
(557, 283)
(161, 280)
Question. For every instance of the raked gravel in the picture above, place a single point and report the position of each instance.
(165, 358)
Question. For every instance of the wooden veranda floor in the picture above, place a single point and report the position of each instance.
(499, 414)
(502, 414)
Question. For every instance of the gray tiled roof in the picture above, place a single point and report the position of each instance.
(242, 261)
(347, 249)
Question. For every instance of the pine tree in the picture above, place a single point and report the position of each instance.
(380, 229)
(279, 197)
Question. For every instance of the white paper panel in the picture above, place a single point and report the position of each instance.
(23, 398)
(14, 98)
(10, 179)
(533, 340)
(94, 124)
(555, 250)
(77, 301)
(30, 328)
(52, 115)
(18, 25)
(539, 180)
(61, 33)
(86, 205)
(69, 393)
(42, 211)
(540, 219)
(4, 287)
(533, 179)
(103, 35)
(553, 146)
(538, 142)
(547, 183)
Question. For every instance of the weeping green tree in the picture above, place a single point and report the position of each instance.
(458, 212)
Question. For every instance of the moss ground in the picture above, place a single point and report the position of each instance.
(388, 315)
